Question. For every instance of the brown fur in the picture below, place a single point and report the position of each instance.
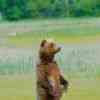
(49, 78)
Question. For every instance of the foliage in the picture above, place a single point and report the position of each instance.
(23, 9)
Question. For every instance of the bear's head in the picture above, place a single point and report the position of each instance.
(48, 49)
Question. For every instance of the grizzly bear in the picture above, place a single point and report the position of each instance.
(50, 82)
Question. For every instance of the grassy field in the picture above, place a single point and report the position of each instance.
(23, 88)
(79, 58)
(28, 41)
(27, 33)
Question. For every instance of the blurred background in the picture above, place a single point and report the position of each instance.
(75, 26)
(29, 9)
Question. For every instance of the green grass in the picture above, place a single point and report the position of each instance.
(23, 88)
(83, 90)
(62, 30)
(28, 41)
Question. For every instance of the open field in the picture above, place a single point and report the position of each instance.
(79, 58)
(27, 33)
(23, 88)
(70, 27)
(29, 41)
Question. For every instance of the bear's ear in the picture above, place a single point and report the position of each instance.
(43, 43)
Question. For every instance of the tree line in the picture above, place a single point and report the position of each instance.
(27, 9)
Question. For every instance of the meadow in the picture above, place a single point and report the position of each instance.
(79, 58)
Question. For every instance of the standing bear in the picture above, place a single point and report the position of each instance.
(50, 82)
